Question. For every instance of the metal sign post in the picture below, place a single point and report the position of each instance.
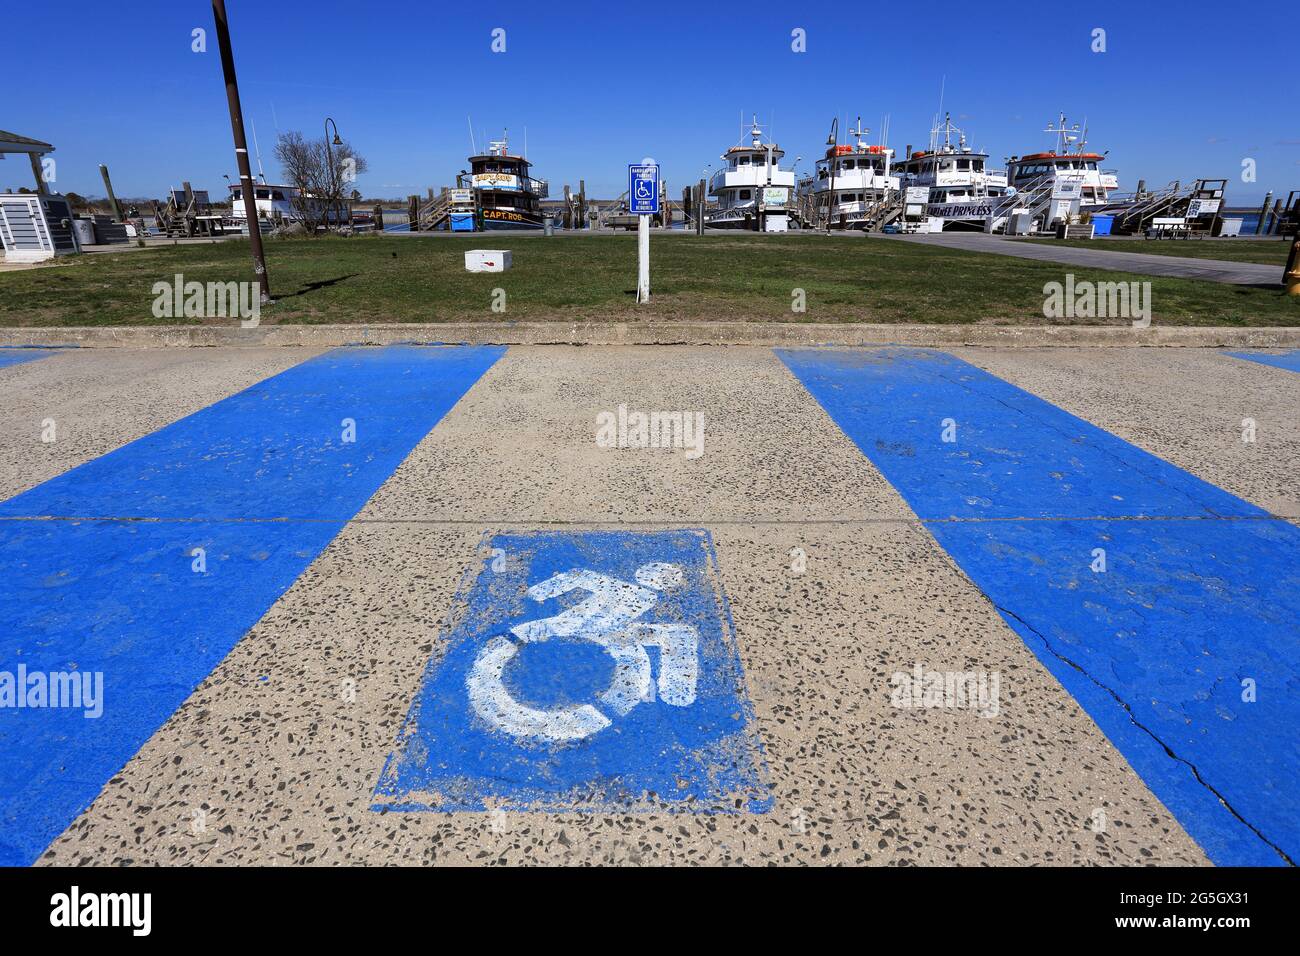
(643, 202)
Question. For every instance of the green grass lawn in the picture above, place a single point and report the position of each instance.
(741, 278)
(1271, 252)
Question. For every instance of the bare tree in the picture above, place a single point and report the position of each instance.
(321, 172)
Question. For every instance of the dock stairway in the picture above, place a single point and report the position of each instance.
(1171, 201)
(1035, 197)
(188, 213)
(435, 213)
(882, 213)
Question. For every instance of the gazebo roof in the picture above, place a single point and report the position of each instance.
(13, 143)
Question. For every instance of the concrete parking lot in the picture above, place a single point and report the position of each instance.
(276, 557)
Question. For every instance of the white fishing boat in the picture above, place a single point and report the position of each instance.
(752, 190)
(1070, 166)
(276, 202)
(853, 182)
(962, 190)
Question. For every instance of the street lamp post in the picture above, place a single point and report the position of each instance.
(329, 155)
(241, 148)
(1291, 276)
(795, 198)
(832, 141)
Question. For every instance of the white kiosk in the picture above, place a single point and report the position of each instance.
(34, 226)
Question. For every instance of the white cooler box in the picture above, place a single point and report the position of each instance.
(487, 260)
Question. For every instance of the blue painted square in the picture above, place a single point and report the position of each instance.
(591, 671)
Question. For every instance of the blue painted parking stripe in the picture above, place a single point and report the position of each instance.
(1185, 650)
(128, 609)
(20, 356)
(1287, 360)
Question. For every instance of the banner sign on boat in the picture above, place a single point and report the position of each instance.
(592, 670)
(496, 181)
(1067, 187)
(960, 210)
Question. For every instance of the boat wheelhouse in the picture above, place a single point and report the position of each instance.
(1069, 162)
(752, 190)
(963, 190)
(852, 181)
(505, 195)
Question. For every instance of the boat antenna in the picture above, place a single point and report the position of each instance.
(258, 150)
(473, 147)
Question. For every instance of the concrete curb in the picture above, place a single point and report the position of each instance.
(650, 333)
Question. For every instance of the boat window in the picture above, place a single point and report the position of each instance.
(745, 194)
(742, 161)
(977, 165)
(963, 164)
(262, 193)
(277, 194)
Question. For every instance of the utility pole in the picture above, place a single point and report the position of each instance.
(241, 148)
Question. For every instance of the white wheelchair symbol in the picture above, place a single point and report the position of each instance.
(644, 189)
(608, 618)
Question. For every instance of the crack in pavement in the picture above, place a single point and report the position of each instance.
(1147, 730)
(618, 523)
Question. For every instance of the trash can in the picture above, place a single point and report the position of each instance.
(85, 229)
(1103, 225)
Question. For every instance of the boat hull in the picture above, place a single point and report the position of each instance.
(494, 219)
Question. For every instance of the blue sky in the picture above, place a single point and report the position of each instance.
(1183, 90)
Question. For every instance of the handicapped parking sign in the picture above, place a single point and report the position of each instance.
(592, 670)
(643, 188)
